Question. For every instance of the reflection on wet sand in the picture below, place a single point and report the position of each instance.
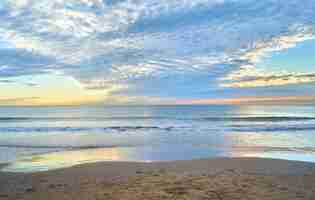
(64, 159)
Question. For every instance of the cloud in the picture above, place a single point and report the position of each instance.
(10, 101)
(249, 76)
(138, 47)
(273, 80)
(6, 81)
(31, 84)
(9, 81)
(103, 85)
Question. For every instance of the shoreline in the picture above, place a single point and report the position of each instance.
(216, 162)
(72, 157)
(217, 178)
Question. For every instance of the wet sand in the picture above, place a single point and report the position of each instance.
(217, 179)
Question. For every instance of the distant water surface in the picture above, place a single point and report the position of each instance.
(43, 138)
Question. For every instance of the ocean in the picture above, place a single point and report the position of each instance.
(44, 138)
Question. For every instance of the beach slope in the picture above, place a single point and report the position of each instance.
(217, 179)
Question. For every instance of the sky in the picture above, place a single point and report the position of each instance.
(73, 52)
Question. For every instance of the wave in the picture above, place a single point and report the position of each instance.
(179, 129)
(259, 119)
(253, 119)
(83, 129)
(294, 128)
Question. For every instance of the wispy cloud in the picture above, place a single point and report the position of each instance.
(13, 101)
(9, 81)
(273, 80)
(249, 76)
(6, 81)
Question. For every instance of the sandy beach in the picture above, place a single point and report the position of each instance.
(222, 178)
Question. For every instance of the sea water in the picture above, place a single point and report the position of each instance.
(43, 138)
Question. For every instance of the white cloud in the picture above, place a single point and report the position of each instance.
(249, 75)
(273, 80)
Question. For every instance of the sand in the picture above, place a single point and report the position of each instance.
(212, 179)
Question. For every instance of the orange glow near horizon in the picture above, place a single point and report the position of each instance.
(76, 100)
(253, 100)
